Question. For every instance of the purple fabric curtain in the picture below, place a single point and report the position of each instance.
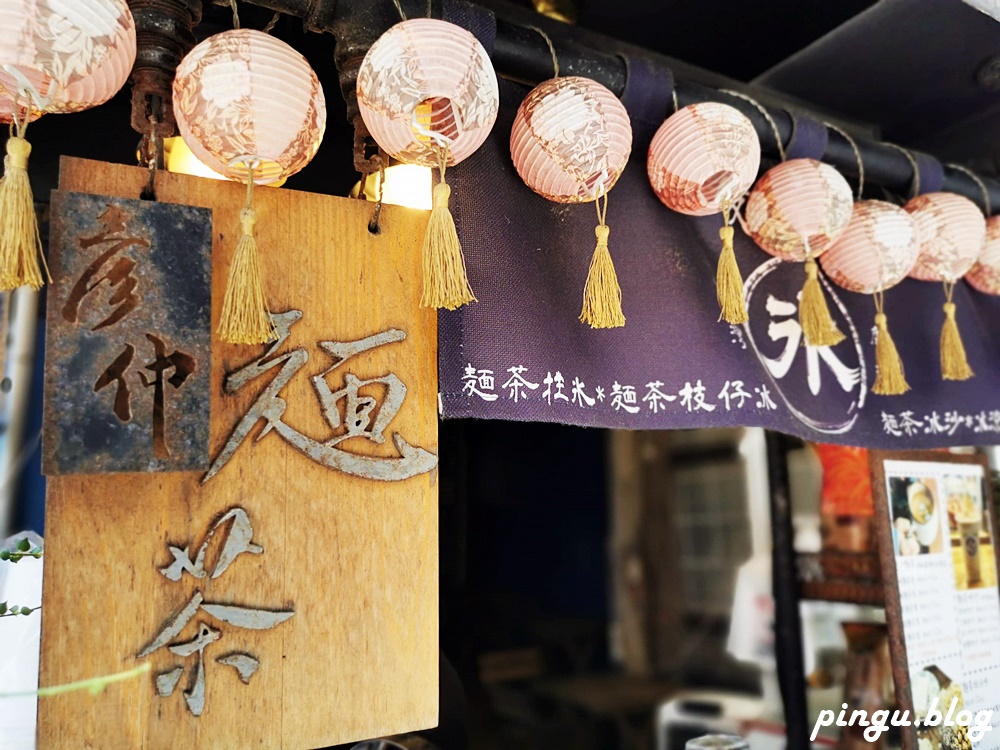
(521, 354)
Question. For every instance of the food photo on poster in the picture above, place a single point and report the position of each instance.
(488, 374)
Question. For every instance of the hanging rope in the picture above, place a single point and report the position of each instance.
(987, 208)
(552, 50)
(767, 116)
(857, 156)
(272, 23)
(915, 182)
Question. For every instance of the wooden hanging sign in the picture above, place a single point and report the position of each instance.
(286, 596)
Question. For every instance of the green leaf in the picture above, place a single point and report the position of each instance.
(24, 545)
(25, 610)
(4, 554)
(3, 607)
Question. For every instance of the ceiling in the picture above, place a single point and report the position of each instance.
(926, 73)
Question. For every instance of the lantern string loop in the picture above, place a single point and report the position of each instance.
(987, 208)
(552, 50)
(602, 215)
(441, 141)
(767, 116)
(26, 88)
(236, 14)
(857, 155)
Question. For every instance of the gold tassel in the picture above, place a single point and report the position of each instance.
(954, 364)
(21, 259)
(890, 380)
(602, 297)
(246, 318)
(814, 315)
(729, 282)
(446, 283)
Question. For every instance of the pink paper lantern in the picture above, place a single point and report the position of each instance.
(798, 209)
(571, 140)
(952, 233)
(425, 84)
(985, 272)
(876, 251)
(243, 98)
(702, 155)
(67, 55)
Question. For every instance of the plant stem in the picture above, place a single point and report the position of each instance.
(95, 684)
(19, 613)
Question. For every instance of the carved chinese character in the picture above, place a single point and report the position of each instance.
(118, 275)
(348, 413)
(238, 539)
(182, 365)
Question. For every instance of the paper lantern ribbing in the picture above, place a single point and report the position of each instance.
(55, 56)
(68, 55)
(985, 272)
(876, 251)
(570, 142)
(425, 78)
(250, 107)
(702, 155)
(952, 233)
(795, 212)
(243, 98)
(703, 158)
(428, 95)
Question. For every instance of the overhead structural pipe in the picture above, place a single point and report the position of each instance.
(521, 54)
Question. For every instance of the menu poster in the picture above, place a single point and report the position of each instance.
(942, 600)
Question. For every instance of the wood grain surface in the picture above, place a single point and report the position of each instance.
(356, 559)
